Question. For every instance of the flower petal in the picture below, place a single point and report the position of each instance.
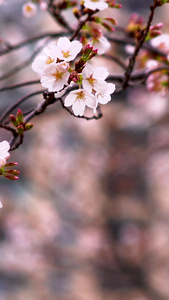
(78, 107)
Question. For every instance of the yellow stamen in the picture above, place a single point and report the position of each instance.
(66, 54)
(49, 60)
(57, 75)
(80, 96)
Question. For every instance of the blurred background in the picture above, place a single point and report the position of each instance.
(89, 217)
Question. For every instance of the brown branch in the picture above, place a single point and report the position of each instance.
(82, 117)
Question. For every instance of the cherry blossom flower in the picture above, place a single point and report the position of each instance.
(95, 4)
(161, 42)
(42, 61)
(55, 76)
(104, 97)
(66, 50)
(79, 99)
(100, 43)
(29, 9)
(4, 154)
(94, 79)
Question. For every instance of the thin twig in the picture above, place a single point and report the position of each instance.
(16, 86)
(139, 45)
(17, 103)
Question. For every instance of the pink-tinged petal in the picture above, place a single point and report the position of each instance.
(111, 88)
(75, 47)
(39, 63)
(101, 5)
(70, 99)
(100, 73)
(78, 107)
(4, 146)
(2, 162)
(53, 52)
(63, 43)
(102, 45)
(90, 100)
(87, 71)
(86, 85)
(101, 86)
(103, 99)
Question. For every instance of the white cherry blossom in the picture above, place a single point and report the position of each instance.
(4, 154)
(105, 97)
(79, 99)
(95, 4)
(29, 9)
(44, 60)
(55, 76)
(94, 79)
(66, 50)
(100, 43)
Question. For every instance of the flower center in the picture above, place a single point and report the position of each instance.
(66, 53)
(28, 8)
(92, 81)
(57, 75)
(95, 0)
(49, 60)
(80, 96)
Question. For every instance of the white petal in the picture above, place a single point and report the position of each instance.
(90, 100)
(70, 99)
(87, 71)
(39, 63)
(103, 99)
(95, 5)
(87, 86)
(100, 86)
(78, 107)
(2, 162)
(111, 88)
(75, 47)
(63, 43)
(4, 148)
(100, 73)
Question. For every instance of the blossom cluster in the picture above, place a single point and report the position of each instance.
(57, 73)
